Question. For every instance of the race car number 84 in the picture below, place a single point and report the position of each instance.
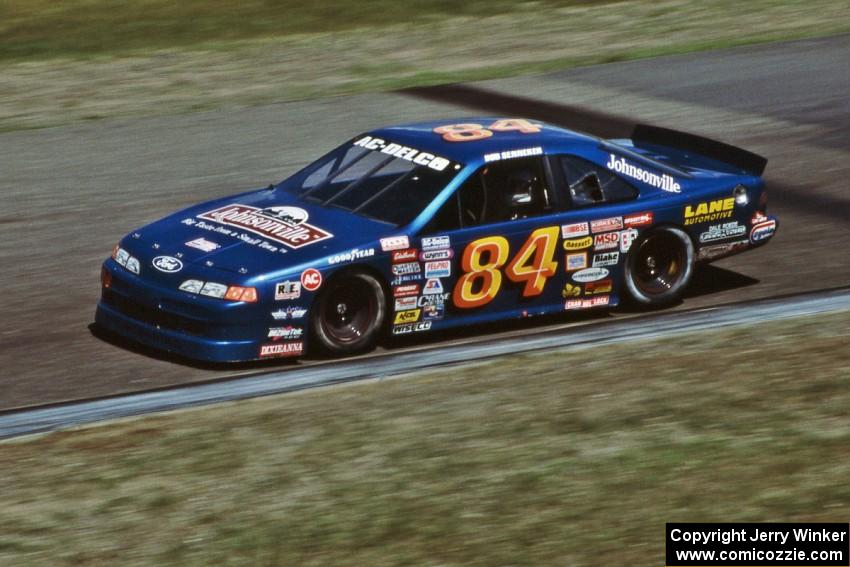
(483, 260)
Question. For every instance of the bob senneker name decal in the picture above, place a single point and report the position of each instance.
(663, 182)
(282, 224)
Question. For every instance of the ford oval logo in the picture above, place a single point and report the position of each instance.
(167, 264)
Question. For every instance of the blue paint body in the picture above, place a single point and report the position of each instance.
(148, 307)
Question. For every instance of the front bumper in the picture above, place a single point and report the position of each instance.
(196, 347)
(181, 323)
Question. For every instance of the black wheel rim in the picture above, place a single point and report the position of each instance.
(348, 311)
(659, 264)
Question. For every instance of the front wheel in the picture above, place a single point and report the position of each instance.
(349, 313)
(659, 266)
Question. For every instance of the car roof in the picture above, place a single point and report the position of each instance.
(421, 136)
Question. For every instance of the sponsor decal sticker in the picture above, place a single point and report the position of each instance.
(590, 275)
(664, 182)
(405, 303)
(602, 286)
(353, 254)
(440, 269)
(311, 279)
(433, 299)
(577, 261)
(287, 290)
(606, 241)
(406, 268)
(433, 312)
(433, 285)
(411, 327)
(627, 237)
(404, 279)
(167, 264)
(575, 229)
(722, 231)
(606, 259)
(432, 255)
(638, 219)
(400, 256)
(282, 349)
(436, 242)
(709, 211)
(586, 303)
(578, 243)
(435, 162)
(409, 316)
(395, 243)
(288, 332)
(406, 290)
(286, 225)
(717, 250)
(762, 231)
(203, 244)
(571, 290)
(604, 225)
(289, 313)
(511, 154)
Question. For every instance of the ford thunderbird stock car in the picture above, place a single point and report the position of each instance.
(429, 226)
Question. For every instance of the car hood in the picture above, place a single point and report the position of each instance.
(253, 233)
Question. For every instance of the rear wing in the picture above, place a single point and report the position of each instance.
(734, 156)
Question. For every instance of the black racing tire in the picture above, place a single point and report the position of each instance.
(349, 313)
(659, 266)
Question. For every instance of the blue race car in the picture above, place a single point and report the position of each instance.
(429, 226)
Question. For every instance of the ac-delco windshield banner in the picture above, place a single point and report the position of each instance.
(763, 545)
(427, 159)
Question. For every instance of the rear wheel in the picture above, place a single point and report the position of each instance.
(659, 266)
(349, 313)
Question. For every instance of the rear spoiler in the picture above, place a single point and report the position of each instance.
(742, 159)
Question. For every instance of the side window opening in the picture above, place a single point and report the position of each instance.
(498, 192)
(590, 184)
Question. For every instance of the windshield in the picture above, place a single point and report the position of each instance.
(374, 178)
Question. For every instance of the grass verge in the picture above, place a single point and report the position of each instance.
(76, 60)
(560, 458)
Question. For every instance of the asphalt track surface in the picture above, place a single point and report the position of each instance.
(389, 364)
(69, 193)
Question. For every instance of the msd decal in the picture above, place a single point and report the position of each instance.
(311, 279)
(286, 225)
(606, 241)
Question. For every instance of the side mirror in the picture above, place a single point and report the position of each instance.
(519, 199)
